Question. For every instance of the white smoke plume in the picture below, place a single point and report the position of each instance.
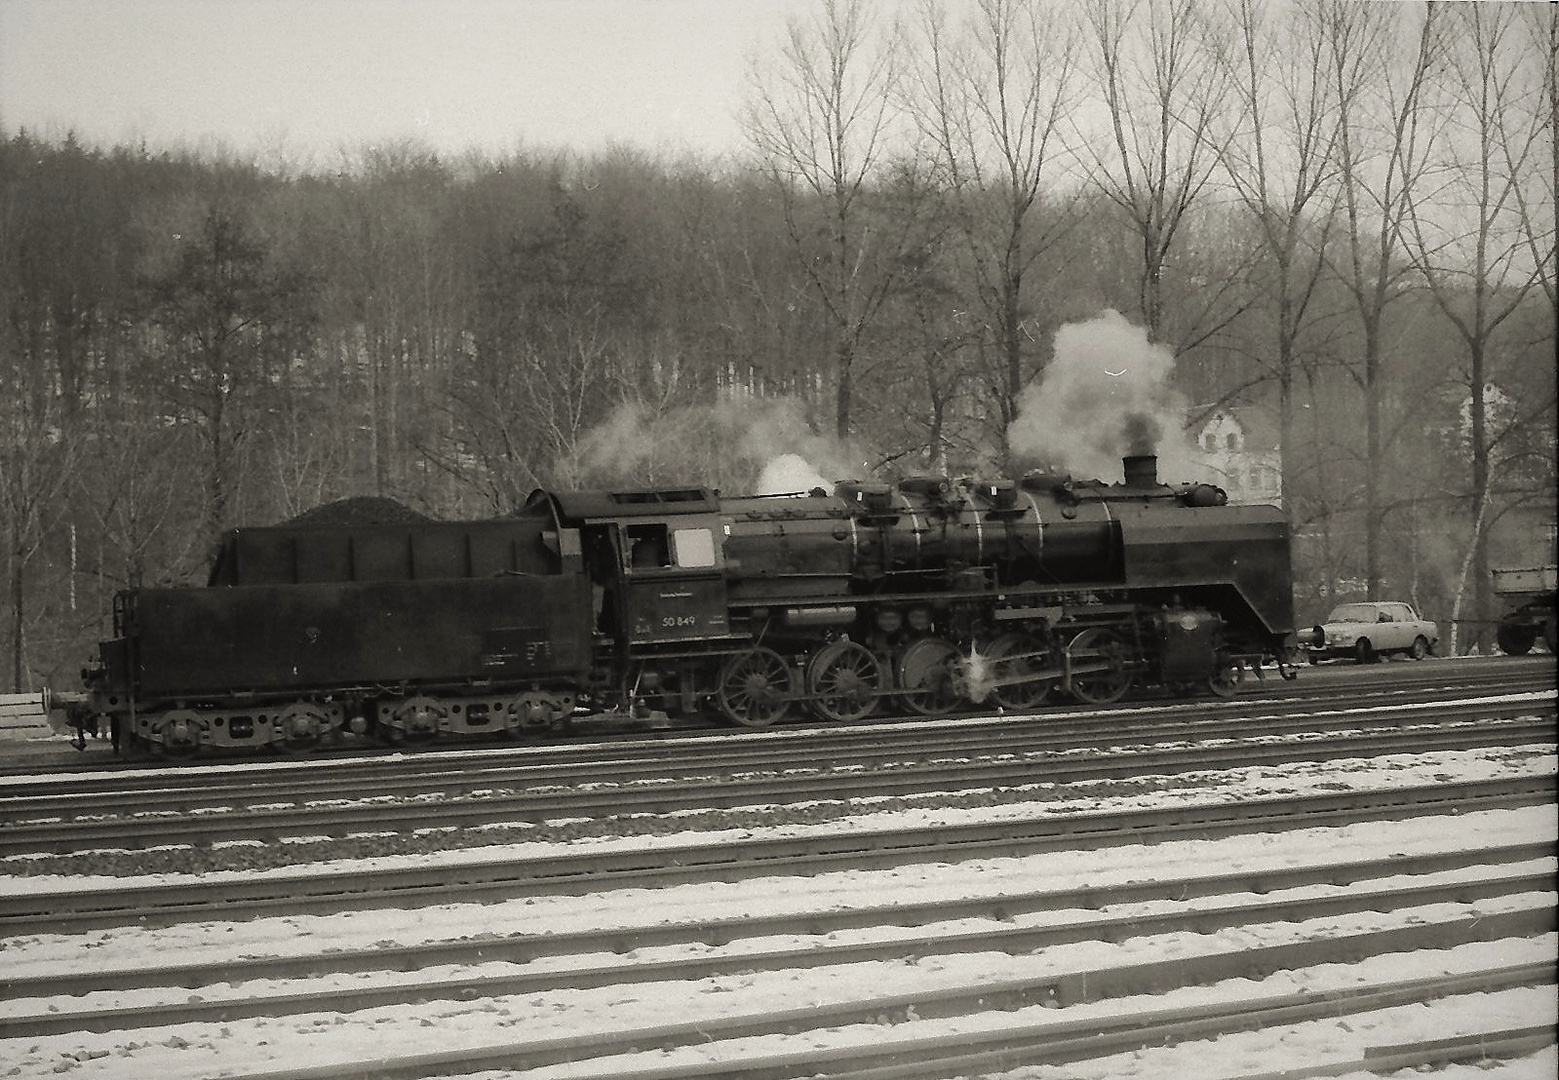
(789, 473)
(1106, 393)
(739, 445)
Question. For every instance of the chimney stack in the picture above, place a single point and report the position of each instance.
(1141, 470)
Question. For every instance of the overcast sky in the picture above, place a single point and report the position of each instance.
(314, 76)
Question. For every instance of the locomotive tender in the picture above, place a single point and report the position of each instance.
(926, 595)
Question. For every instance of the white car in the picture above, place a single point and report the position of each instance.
(1371, 629)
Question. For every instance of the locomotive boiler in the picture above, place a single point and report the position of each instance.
(927, 595)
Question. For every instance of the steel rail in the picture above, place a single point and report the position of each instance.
(1384, 1060)
(977, 1053)
(603, 800)
(1014, 940)
(1092, 1038)
(1153, 720)
(527, 948)
(1503, 724)
(731, 860)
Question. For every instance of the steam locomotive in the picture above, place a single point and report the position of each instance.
(925, 596)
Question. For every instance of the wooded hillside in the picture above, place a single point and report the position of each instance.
(1342, 214)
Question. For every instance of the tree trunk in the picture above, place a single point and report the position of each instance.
(18, 621)
(1482, 587)
(1373, 522)
(844, 360)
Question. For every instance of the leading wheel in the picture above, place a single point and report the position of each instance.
(1101, 672)
(1364, 652)
(1013, 660)
(755, 688)
(1420, 648)
(1225, 678)
(845, 677)
(926, 676)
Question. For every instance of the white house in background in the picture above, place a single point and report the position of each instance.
(1239, 447)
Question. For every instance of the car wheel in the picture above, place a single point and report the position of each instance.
(1515, 640)
(1420, 648)
(1364, 652)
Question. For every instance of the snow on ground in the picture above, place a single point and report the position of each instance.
(104, 950)
(1051, 800)
(193, 1051)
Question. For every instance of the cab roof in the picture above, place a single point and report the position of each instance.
(580, 506)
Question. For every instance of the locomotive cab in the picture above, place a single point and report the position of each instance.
(655, 560)
(672, 580)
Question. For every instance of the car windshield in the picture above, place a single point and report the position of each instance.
(1353, 613)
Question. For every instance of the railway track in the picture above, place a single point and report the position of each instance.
(593, 868)
(62, 817)
(856, 976)
(719, 1038)
(552, 796)
(1327, 689)
(953, 998)
(1221, 901)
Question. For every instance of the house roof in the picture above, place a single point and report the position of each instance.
(1260, 424)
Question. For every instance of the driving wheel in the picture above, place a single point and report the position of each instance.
(1105, 676)
(755, 688)
(1013, 658)
(845, 678)
(926, 676)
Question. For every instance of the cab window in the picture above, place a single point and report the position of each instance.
(645, 546)
(694, 547)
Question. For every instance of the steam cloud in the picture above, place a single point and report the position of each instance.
(1106, 393)
(788, 473)
(764, 446)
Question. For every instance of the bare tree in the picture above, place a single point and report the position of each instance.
(1158, 68)
(819, 121)
(400, 288)
(1384, 143)
(547, 357)
(1280, 164)
(993, 96)
(1470, 239)
(35, 464)
(227, 315)
(1537, 205)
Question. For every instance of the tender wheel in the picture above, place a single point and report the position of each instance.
(178, 735)
(414, 720)
(1106, 676)
(1364, 652)
(1012, 657)
(846, 678)
(1515, 640)
(926, 677)
(755, 688)
(1420, 648)
(300, 728)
